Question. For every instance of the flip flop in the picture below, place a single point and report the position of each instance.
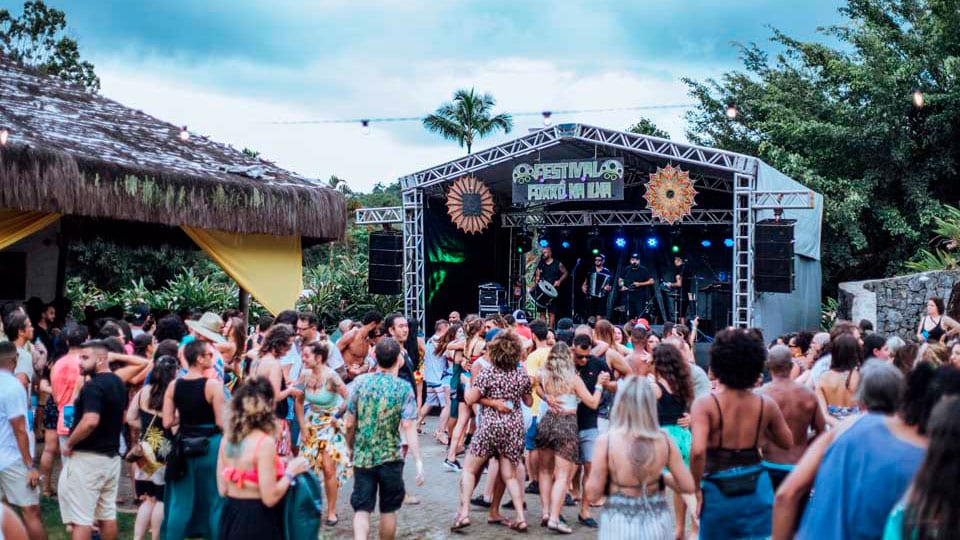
(502, 521)
(460, 522)
(559, 528)
(520, 526)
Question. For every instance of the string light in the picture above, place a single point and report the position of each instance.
(731, 112)
(4, 135)
(546, 118)
(917, 98)
(365, 127)
(184, 134)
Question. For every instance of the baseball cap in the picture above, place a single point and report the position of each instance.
(520, 316)
(634, 255)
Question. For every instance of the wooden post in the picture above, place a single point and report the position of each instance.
(244, 306)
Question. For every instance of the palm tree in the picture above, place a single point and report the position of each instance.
(467, 117)
(339, 184)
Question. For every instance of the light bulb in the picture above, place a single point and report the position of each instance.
(917, 99)
(365, 127)
(4, 135)
(731, 112)
(184, 134)
(546, 118)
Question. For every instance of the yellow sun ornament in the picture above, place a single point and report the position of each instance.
(470, 205)
(670, 194)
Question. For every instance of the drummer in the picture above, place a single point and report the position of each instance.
(553, 272)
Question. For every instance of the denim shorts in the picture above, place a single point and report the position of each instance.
(529, 443)
(588, 439)
(742, 516)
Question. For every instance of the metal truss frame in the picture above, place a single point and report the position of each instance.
(746, 202)
(378, 216)
(604, 218)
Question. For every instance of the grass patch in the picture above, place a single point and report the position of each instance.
(50, 513)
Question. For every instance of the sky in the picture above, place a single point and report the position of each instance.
(235, 70)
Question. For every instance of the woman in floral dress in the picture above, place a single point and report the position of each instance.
(499, 389)
(323, 439)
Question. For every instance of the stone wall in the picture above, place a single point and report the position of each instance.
(895, 305)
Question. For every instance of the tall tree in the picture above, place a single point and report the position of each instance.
(846, 121)
(38, 38)
(646, 127)
(468, 117)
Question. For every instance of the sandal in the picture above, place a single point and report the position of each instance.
(559, 527)
(500, 521)
(333, 522)
(544, 520)
(519, 526)
(460, 522)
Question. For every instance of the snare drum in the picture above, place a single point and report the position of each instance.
(543, 294)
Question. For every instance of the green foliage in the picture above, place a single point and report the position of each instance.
(841, 120)
(828, 313)
(468, 117)
(646, 127)
(111, 266)
(38, 38)
(944, 255)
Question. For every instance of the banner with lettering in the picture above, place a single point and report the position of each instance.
(570, 180)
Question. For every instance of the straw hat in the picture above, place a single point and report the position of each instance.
(209, 326)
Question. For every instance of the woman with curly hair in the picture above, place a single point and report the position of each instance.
(323, 440)
(725, 447)
(251, 477)
(558, 438)
(500, 388)
(276, 344)
(673, 388)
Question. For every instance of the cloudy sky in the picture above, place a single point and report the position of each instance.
(231, 69)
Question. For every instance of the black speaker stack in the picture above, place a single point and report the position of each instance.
(773, 256)
(385, 274)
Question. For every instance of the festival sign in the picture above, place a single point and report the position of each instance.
(571, 180)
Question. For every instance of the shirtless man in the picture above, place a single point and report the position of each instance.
(800, 410)
(355, 345)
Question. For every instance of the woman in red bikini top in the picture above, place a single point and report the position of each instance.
(251, 477)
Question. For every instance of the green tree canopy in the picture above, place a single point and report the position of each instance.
(38, 38)
(843, 121)
(468, 117)
(646, 127)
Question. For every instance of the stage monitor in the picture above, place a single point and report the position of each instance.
(773, 256)
(385, 274)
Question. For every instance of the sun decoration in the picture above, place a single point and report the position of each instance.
(670, 194)
(470, 205)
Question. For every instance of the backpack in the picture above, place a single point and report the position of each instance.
(302, 508)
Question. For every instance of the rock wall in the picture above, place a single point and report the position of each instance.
(896, 304)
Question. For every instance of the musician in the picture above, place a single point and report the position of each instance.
(597, 286)
(553, 272)
(635, 283)
(681, 285)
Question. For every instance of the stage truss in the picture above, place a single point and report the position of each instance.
(747, 201)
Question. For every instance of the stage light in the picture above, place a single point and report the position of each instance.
(653, 242)
(706, 243)
(620, 242)
(544, 243)
(728, 242)
(184, 134)
(365, 127)
(917, 99)
(594, 242)
(524, 243)
(731, 111)
(546, 118)
(565, 244)
(675, 249)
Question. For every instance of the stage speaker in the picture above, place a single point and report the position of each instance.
(773, 256)
(385, 274)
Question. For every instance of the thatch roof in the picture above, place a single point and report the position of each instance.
(75, 152)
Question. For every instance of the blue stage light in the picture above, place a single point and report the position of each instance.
(653, 242)
(620, 242)
(706, 243)
(565, 244)
(544, 243)
(728, 242)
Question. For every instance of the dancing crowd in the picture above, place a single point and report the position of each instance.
(840, 434)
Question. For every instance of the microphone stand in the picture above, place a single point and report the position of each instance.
(573, 289)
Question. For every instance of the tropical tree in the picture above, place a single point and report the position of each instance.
(339, 184)
(38, 38)
(468, 117)
(873, 123)
(646, 127)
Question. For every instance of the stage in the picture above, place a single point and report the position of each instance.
(582, 191)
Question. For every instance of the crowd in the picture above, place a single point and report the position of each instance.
(840, 434)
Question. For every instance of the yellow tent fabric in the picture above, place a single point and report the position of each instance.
(270, 268)
(15, 225)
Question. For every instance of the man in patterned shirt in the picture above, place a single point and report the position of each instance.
(381, 404)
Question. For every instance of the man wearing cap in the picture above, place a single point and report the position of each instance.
(522, 329)
(138, 319)
(635, 282)
(597, 286)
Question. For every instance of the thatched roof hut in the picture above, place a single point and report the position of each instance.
(74, 152)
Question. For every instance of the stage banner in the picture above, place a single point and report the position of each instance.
(571, 180)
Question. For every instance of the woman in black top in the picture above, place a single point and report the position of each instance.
(193, 405)
(673, 389)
